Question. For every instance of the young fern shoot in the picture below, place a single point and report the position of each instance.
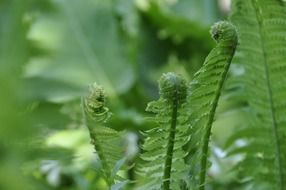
(178, 146)
(203, 99)
(106, 141)
(162, 165)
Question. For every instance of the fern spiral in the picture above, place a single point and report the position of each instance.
(203, 99)
(94, 103)
(106, 141)
(162, 162)
(173, 88)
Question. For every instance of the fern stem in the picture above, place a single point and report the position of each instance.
(270, 95)
(170, 146)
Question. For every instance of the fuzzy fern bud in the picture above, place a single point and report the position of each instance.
(94, 103)
(223, 31)
(173, 86)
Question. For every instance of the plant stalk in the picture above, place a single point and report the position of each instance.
(170, 147)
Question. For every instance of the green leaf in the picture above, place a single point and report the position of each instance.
(85, 45)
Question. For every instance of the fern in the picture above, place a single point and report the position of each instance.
(106, 141)
(175, 152)
(203, 99)
(180, 114)
(162, 165)
(262, 54)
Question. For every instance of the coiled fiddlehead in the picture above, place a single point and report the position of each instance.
(162, 161)
(94, 103)
(173, 87)
(204, 95)
(106, 141)
(224, 32)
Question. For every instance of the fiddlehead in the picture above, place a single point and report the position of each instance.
(174, 90)
(224, 32)
(163, 145)
(106, 141)
(204, 95)
(173, 87)
(94, 103)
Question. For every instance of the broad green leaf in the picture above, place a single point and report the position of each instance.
(85, 46)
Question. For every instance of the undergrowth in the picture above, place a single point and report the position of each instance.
(175, 152)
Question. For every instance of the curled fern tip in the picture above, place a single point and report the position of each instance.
(94, 103)
(173, 86)
(223, 30)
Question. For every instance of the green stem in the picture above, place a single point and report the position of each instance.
(170, 147)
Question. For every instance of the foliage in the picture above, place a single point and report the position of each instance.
(261, 55)
(107, 142)
(163, 159)
(162, 149)
(51, 49)
(205, 91)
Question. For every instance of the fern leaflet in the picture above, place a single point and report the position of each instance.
(261, 25)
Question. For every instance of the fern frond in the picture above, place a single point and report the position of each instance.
(162, 162)
(262, 52)
(107, 141)
(203, 99)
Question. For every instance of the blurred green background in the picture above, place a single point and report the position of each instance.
(51, 50)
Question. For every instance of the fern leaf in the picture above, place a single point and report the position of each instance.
(203, 99)
(162, 163)
(262, 29)
(107, 141)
